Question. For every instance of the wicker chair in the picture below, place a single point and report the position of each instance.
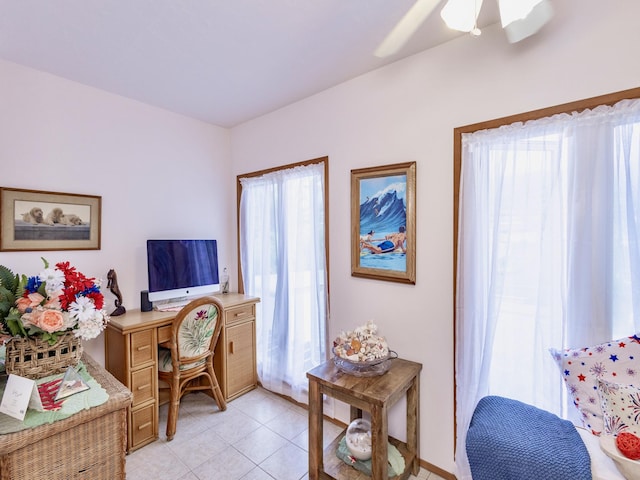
(186, 360)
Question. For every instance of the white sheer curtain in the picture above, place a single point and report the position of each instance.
(548, 253)
(282, 253)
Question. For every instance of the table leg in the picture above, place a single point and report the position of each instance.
(355, 413)
(379, 442)
(413, 421)
(315, 431)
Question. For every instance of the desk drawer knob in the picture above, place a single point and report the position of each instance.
(144, 347)
(231, 348)
(240, 314)
(144, 425)
(144, 387)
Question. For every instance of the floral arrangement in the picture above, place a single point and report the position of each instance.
(361, 345)
(58, 300)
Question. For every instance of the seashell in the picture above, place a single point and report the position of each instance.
(361, 344)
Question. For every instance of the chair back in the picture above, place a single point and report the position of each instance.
(195, 332)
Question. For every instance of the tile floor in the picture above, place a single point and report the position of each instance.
(259, 437)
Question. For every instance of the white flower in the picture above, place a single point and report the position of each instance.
(82, 309)
(69, 321)
(53, 278)
(91, 326)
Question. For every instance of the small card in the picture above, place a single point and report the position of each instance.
(23, 393)
(17, 396)
(71, 383)
(48, 391)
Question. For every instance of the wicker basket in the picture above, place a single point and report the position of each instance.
(33, 358)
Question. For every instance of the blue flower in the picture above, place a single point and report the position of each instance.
(87, 291)
(33, 284)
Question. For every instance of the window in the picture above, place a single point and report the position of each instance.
(283, 257)
(547, 251)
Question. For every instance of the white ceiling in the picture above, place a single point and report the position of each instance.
(220, 61)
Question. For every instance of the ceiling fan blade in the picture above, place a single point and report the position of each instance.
(406, 27)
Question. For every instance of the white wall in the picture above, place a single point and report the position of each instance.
(160, 175)
(407, 112)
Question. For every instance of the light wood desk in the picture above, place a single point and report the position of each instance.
(131, 355)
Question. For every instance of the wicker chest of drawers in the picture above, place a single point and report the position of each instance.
(90, 445)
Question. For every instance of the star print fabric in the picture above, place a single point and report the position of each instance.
(615, 361)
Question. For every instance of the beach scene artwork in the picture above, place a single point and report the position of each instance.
(383, 221)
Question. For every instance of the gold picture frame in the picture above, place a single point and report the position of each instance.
(383, 222)
(34, 220)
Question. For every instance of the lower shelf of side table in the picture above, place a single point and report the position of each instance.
(337, 469)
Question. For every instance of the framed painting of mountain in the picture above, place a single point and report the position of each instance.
(383, 222)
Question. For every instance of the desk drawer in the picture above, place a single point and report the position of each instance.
(143, 425)
(240, 314)
(142, 347)
(164, 334)
(143, 384)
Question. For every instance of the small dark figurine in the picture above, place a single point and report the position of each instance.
(112, 284)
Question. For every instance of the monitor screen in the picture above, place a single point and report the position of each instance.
(182, 268)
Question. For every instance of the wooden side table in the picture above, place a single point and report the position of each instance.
(374, 395)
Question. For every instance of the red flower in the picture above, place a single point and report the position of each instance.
(76, 283)
(98, 299)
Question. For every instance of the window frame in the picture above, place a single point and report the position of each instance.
(576, 106)
(325, 162)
